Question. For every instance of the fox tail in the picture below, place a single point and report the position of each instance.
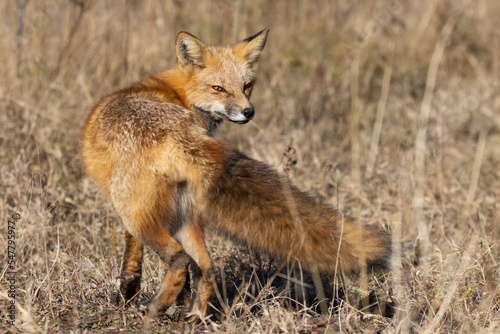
(251, 203)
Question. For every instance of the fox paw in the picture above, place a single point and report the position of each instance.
(149, 308)
(117, 299)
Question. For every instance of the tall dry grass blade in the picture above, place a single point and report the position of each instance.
(379, 118)
(83, 6)
(404, 197)
(402, 312)
(458, 270)
(113, 243)
(49, 270)
(21, 7)
(422, 26)
(294, 212)
(356, 156)
(235, 31)
(476, 170)
(354, 126)
(420, 140)
(222, 300)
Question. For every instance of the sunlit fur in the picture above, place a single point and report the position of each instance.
(150, 148)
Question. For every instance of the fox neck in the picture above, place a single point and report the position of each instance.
(210, 123)
(178, 81)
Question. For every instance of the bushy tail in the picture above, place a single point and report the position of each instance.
(251, 203)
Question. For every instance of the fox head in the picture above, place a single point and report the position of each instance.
(220, 79)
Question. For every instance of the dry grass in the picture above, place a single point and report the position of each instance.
(392, 108)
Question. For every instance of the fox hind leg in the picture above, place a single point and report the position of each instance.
(177, 262)
(203, 291)
(186, 247)
(192, 238)
(130, 277)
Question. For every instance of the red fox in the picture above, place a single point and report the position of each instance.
(151, 149)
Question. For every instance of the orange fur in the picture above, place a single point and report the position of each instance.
(150, 147)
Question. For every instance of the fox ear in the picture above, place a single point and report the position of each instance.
(251, 48)
(189, 50)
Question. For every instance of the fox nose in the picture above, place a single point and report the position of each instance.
(248, 113)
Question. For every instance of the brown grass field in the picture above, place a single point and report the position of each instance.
(392, 110)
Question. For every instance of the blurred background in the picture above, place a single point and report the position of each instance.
(388, 110)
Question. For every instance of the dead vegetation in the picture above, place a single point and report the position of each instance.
(392, 112)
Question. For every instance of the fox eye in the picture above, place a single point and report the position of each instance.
(218, 88)
(248, 85)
